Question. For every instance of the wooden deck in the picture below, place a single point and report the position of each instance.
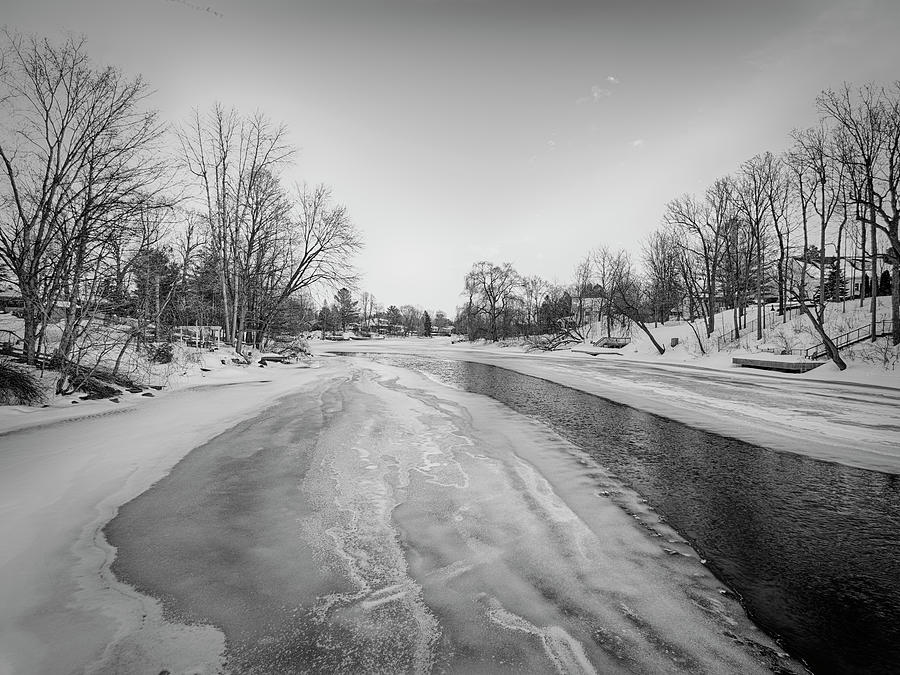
(770, 363)
(612, 342)
(273, 357)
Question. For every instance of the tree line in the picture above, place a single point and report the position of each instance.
(788, 229)
(367, 316)
(117, 228)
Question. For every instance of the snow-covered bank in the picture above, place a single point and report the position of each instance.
(60, 483)
(824, 414)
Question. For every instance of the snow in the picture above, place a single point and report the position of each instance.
(510, 536)
(61, 482)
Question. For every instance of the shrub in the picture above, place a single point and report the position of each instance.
(18, 386)
(881, 353)
(95, 388)
(162, 353)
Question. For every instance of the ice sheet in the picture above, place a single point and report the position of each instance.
(448, 533)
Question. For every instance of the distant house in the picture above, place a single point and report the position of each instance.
(10, 300)
(852, 267)
(199, 335)
(380, 326)
(590, 308)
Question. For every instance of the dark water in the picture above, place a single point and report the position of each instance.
(812, 548)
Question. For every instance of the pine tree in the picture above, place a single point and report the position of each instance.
(426, 324)
(325, 318)
(394, 316)
(884, 283)
(836, 285)
(347, 308)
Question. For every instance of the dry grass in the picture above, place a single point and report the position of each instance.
(18, 385)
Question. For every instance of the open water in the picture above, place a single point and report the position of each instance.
(812, 548)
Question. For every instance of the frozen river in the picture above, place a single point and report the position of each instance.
(812, 547)
(376, 521)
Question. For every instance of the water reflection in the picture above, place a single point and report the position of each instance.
(813, 548)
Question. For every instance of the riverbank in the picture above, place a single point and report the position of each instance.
(62, 479)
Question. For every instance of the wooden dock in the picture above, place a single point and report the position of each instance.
(774, 363)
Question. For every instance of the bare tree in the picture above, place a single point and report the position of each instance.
(489, 287)
(366, 308)
(581, 287)
(78, 159)
(754, 187)
(703, 225)
(802, 181)
(534, 289)
(321, 243)
(660, 256)
(234, 160)
(817, 148)
(777, 198)
(870, 118)
(630, 295)
(472, 307)
(609, 268)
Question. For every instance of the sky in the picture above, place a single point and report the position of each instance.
(527, 132)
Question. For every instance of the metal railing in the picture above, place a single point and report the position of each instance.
(770, 317)
(851, 337)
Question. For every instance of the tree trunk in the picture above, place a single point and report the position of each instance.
(697, 335)
(804, 267)
(759, 282)
(241, 327)
(862, 258)
(833, 352)
(118, 364)
(30, 333)
(823, 226)
(229, 333)
(781, 279)
(158, 312)
(895, 300)
(735, 318)
(840, 277)
(643, 327)
(874, 298)
(235, 303)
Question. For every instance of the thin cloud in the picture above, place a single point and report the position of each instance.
(199, 8)
(598, 93)
(612, 79)
(637, 143)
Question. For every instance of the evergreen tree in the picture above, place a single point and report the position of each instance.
(394, 315)
(347, 308)
(426, 324)
(884, 283)
(836, 285)
(325, 319)
(155, 278)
